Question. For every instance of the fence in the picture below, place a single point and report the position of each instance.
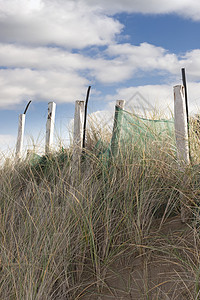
(180, 118)
(180, 126)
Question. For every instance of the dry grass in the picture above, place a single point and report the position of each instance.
(111, 230)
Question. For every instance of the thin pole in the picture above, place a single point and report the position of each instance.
(27, 106)
(186, 99)
(85, 117)
(186, 107)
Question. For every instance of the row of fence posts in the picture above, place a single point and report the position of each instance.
(78, 128)
(49, 130)
(180, 121)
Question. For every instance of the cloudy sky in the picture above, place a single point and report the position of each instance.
(51, 50)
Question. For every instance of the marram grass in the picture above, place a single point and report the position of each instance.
(89, 228)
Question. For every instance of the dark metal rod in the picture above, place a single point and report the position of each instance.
(85, 116)
(27, 107)
(185, 88)
(186, 106)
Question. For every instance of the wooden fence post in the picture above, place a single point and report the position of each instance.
(77, 144)
(182, 143)
(20, 137)
(50, 126)
(78, 125)
(117, 127)
(181, 127)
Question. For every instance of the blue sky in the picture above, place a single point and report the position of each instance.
(172, 32)
(51, 50)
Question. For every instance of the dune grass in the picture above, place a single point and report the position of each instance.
(76, 233)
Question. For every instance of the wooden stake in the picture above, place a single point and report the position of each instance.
(117, 127)
(78, 124)
(120, 103)
(20, 137)
(77, 143)
(181, 133)
(181, 128)
(50, 126)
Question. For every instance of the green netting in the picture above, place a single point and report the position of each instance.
(132, 131)
(137, 130)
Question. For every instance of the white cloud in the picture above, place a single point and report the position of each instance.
(144, 57)
(191, 60)
(43, 58)
(36, 71)
(159, 97)
(65, 23)
(22, 6)
(77, 23)
(184, 8)
(194, 97)
(38, 61)
(43, 73)
(142, 99)
(24, 84)
(40, 58)
(7, 144)
(125, 61)
(120, 60)
(32, 69)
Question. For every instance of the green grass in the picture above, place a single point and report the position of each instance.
(70, 231)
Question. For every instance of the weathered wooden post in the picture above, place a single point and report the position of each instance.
(182, 143)
(181, 127)
(77, 144)
(50, 126)
(78, 126)
(20, 136)
(78, 136)
(118, 118)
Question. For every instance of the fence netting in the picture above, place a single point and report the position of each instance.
(134, 133)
